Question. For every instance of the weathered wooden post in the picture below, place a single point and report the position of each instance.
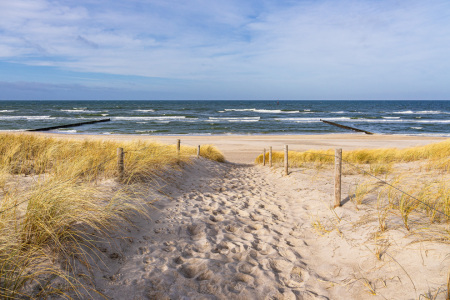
(286, 162)
(337, 177)
(120, 166)
(270, 156)
(178, 147)
(198, 151)
(264, 157)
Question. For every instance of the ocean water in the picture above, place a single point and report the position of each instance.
(428, 118)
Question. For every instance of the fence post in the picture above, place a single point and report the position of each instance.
(264, 157)
(286, 162)
(198, 151)
(178, 147)
(120, 166)
(270, 156)
(337, 177)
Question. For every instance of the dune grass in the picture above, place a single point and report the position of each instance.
(54, 207)
(437, 154)
(34, 155)
(430, 196)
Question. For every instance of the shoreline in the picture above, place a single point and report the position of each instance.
(245, 148)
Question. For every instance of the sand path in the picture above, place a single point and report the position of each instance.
(227, 233)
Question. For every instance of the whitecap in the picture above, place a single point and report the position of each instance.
(73, 110)
(155, 118)
(240, 109)
(311, 120)
(434, 121)
(82, 111)
(26, 118)
(422, 112)
(225, 119)
(404, 112)
(264, 111)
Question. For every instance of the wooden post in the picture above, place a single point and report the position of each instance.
(264, 157)
(178, 147)
(270, 156)
(198, 151)
(120, 166)
(286, 162)
(337, 177)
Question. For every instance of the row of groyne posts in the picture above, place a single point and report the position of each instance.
(337, 170)
(121, 154)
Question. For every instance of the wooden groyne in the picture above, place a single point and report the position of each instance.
(69, 125)
(346, 127)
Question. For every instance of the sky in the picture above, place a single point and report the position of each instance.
(227, 49)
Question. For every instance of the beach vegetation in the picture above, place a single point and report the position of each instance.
(361, 190)
(415, 181)
(60, 199)
(437, 155)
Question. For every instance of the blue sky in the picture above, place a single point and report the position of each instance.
(243, 49)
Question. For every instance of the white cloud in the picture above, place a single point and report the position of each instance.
(305, 45)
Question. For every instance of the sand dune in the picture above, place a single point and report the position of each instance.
(226, 231)
(240, 231)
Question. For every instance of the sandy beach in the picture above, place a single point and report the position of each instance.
(243, 231)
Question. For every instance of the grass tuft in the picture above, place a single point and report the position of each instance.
(60, 198)
(438, 155)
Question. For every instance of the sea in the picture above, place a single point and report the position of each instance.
(419, 118)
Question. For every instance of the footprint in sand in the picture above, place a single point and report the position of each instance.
(280, 265)
(216, 218)
(256, 217)
(262, 247)
(240, 277)
(196, 231)
(223, 248)
(246, 268)
(296, 278)
(287, 253)
(143, 250)
(192, 268)
(231, 228)
(294, 242)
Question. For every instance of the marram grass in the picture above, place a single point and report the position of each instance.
(433, 196)
(33, 155)
(54, 208)
(438, 154)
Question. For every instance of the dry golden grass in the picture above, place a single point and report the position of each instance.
(438, 155)
(428, 196)
(53, 207)
(32, 155)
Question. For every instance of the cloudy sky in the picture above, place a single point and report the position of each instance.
(228, 49)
